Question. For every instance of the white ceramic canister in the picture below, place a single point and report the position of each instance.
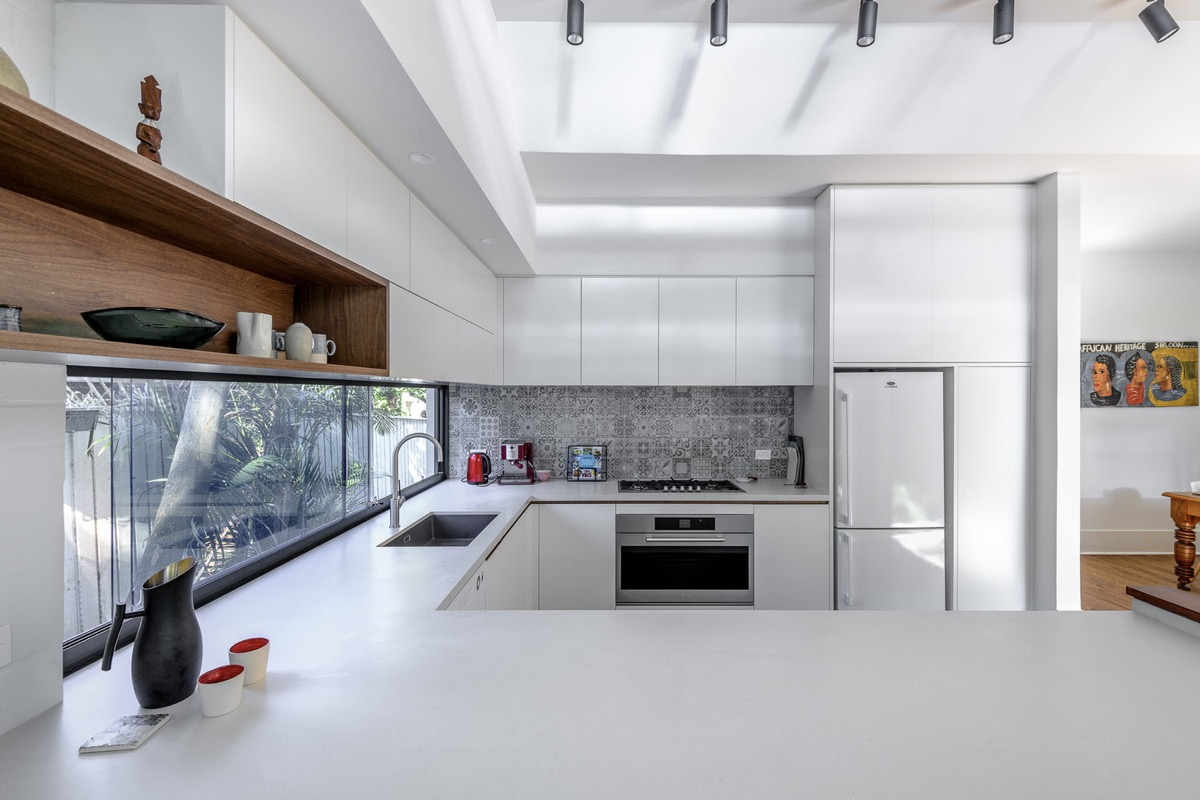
(299, 342)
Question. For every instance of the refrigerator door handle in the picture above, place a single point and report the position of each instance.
(842, 435)
(848, 594)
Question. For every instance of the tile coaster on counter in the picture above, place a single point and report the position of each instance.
(587, 462)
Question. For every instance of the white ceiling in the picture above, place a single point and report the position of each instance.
(932, 101)
(824, 11)
(629, 116)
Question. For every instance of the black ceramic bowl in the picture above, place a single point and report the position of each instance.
(165, 327)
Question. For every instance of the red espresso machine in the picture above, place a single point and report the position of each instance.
(516, 462)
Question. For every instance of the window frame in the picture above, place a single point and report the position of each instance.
(88, 647)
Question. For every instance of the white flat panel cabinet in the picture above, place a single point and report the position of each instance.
(882, 274)
(993, 493)
(793, 558)
(511, 573)
(422, 338)
(577, 557)
(446, 273)
(476, 354)
(473, 596)
(377, 222)
(983, 273)
(289, 150)
(775, 331)
(542, 331)
(620, 331)
(932, 274)
(697, 331)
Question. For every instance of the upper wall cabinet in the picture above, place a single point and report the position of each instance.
(932, 274)
(620, 332)
(697, 331)
(289, 150)
(445, 272)
(377, 216)
(775, 331)
(542, 331)
(659, 331)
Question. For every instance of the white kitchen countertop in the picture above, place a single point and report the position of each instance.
(369, 693)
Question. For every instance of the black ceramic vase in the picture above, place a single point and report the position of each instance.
(168, 647)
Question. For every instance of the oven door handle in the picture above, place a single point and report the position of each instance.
(670, 539)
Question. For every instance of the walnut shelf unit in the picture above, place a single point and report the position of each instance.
(86, 223)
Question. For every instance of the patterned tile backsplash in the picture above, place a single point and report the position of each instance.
(650, 431)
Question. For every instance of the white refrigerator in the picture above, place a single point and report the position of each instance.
(889, 491)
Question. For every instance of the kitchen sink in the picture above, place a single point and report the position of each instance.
(441, 530)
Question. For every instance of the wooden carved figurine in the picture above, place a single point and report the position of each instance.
(149, 137)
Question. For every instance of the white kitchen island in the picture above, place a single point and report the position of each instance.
(369, 694)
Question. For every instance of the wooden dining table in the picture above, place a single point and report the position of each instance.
(1185, 511)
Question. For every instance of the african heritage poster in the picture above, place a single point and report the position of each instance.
(1137, 374)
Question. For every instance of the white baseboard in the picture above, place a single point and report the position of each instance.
(1095, 543)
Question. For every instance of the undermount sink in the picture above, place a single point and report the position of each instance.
(441, 530)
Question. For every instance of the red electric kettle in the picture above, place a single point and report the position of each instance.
(479, 467)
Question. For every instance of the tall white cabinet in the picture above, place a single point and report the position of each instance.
(941, 277)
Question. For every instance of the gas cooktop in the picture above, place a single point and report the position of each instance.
(677, 486)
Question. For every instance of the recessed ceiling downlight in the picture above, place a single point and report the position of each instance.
(487, 240)
(421, 158)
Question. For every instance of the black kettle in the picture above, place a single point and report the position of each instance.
(168, 648)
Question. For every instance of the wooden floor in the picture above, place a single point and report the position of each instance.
(1103, 579)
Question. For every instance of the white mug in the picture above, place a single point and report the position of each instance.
(322, 348)
(254, 335)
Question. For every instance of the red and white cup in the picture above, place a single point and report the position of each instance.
(221, 689)
(251, 654)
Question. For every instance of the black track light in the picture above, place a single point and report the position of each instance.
(575, 21)
(868, 10)
(1158, 21)
(718, 23)
(1002, 21)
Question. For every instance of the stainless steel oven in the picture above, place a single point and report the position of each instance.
(685, 559)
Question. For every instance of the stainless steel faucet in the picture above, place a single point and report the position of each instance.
(397, 498)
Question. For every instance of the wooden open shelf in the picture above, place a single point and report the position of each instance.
(97, 352)
(88, 224)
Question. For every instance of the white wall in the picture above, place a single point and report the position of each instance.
(1130, 456)
(598, 239)
(1054, 549)
(27, 35)
(32, 453)
(104, 50)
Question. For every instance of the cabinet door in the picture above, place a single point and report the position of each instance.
(473, 596)
(620, 332)
(577, 556)
(992, 468)
(445, 272)
(793, 558)
(697, 331)
(377, 216)
(983, 273)
(541, 331)
(422, 338)
(289, 150)
(511, 577)
(476, 354)
(882, 274)
(775, 331)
